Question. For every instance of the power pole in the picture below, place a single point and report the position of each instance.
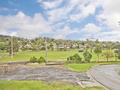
(46, 50)
(12, 47)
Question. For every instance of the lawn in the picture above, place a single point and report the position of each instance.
(39, 85)
(83, 67)
(80, 67)
(52, 55)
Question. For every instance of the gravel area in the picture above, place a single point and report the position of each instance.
(48, 74)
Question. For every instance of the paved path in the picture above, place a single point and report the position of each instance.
(107, 76)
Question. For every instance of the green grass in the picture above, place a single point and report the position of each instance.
(39, 85)
(80, 67)
(23, 56)
(52, 55)
(83, 67)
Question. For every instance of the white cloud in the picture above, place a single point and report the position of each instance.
(108, 36)
(63, 33)
(83, 9)
(50, 4)
(26, 26)
(110, 14)
(91, 28)
(60, 17)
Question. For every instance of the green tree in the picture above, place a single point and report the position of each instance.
(108, 54)
(98, 50)
(87, 56)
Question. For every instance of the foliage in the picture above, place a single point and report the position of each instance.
(98, 50)
(117, 53)
(87, 56)
(41, 60)
(108, 54)
(74, 59)
(2, 46)
(33, 59)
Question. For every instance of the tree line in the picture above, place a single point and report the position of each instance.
(107, 48)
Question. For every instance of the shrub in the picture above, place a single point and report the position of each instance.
(87, 56)
(41, 60)
(74, 59)
(33, 59)
(77, 58)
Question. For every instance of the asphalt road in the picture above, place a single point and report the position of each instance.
(107, 76)
(47, 73)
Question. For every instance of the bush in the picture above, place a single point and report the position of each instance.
(74, 59)
(33, 59)
(41, 60)
(87, 56)
(77, 58)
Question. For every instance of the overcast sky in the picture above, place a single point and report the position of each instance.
(61, 19)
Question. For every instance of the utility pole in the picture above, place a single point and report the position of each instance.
(46, 50)
(12, 47)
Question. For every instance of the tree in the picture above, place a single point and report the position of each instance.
(108, 54)
(2, 45)
(87, 56)
(117, 53)
(98, 50)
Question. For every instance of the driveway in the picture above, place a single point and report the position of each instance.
(107, 76)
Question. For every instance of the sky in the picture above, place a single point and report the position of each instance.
(61, 19)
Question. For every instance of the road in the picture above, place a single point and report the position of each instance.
(107, 76)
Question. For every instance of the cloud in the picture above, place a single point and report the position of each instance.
(63, 33)
(91, 28)
(110, 14)
(50, 4)
(73, 10)
(84, 10)
(25, 26)
(108, 36)
(64, 18)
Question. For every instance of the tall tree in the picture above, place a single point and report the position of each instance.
(98, 50)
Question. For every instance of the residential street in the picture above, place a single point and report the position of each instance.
(107, 76)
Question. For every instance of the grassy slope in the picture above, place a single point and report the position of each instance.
(38, 85)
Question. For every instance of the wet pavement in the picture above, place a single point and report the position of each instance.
(45, 74)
